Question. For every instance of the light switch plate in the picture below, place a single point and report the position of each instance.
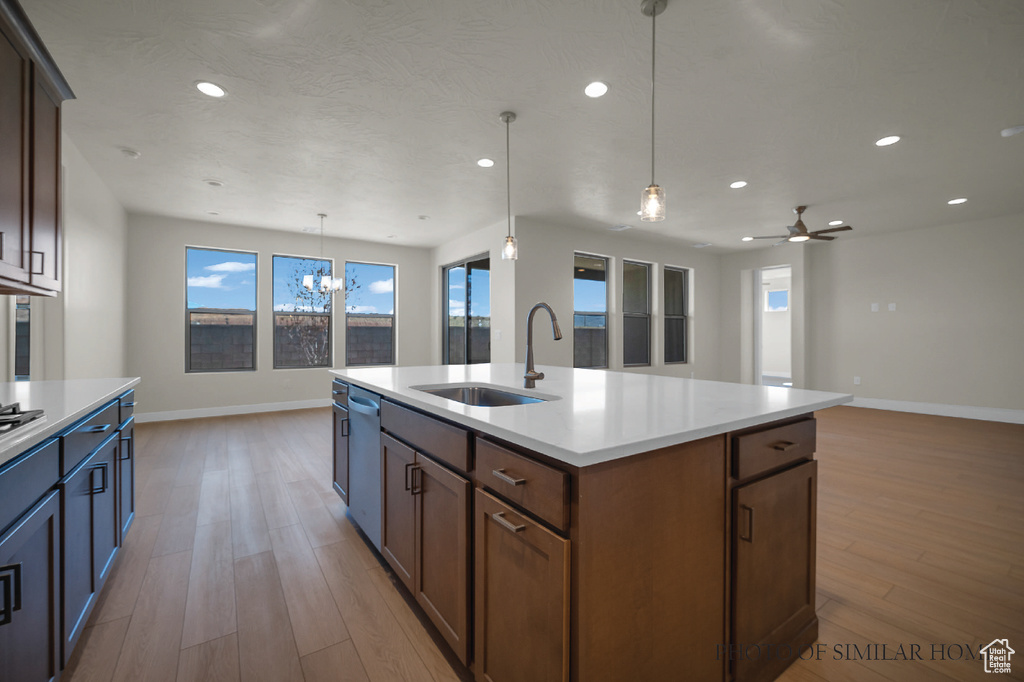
(874, 307)
(892, 307)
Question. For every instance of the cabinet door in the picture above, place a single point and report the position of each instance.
(29, 596)
(442, 551)
(522, 597)
(341, 425)
(90, 524)
(14, 166)
(126, 479)
(45, 251)
(773, 568)
(398, 508)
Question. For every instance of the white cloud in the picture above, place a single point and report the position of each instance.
(231, 266)
(361, 309)
(456, 307)
(207, 282)
(292, 308)
(383, 286)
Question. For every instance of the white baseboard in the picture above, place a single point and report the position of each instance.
(992, 414)
(228, 410)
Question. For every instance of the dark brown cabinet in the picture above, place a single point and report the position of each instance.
(30, 596)
(773, 549)
(31, 92)
(522, 597)
(425, 537)
(340, 474)
(91, 535)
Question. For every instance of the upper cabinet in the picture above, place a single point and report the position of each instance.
(31, 92)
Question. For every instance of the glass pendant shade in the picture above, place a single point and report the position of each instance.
(325, 283)
(307, 282)
(511, 250)
(652, 204)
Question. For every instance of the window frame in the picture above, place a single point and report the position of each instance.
(394, 314)
(607, 292)
(329, 315)
(445, 301)
(227, 311)
(685, 316)
(646, 316)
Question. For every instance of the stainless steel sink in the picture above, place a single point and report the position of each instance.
(480, 396)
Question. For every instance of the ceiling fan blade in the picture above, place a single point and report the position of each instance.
(817, 236)
(776, 236)
(784, 240)
(844, 228)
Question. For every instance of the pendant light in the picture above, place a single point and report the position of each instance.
(652, 203)
(510, 251)
(327, 284)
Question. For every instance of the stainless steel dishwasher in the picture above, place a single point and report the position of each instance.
(364, 461)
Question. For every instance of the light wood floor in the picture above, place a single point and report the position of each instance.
(241, 564)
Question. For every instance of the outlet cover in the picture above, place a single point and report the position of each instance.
(856, 381)
(892, 307)
(874, 307)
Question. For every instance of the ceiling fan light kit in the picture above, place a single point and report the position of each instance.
(652, 202)
(798, 231)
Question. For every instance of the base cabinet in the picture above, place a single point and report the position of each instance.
(30, 595)
(340, 464)
(773, 549)
(522, 597)
(126, 479)
(91, 532)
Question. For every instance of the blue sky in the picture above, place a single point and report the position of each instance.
(220, 279)
(374, 291)
(480, 286)
(289, 294)
(589, 296)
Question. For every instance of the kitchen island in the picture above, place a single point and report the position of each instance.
(626, 526)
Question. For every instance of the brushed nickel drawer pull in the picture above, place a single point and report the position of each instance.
(501, 475)
(127, 404)
(102, 428)
(784, 446)
(499, 518)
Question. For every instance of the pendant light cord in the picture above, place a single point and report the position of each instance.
(654, 19)
(508, 181)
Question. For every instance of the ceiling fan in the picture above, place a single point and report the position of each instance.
(798, 231)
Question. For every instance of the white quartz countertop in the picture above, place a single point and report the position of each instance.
(594, 416)
(62, 402)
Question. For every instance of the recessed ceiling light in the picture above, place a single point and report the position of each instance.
(210, 89)
(886, 141)
(833, 223)
(957, 202)
(620, 228)
(1010, 132)
(748, 239)
(739, 184)
(212, 182)
(485, 163)
(595, 89)
(131, 153)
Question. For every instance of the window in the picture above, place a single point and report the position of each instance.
(302, 318)
(22, 337)
(590, 311)
(369, 314)
(776, 301)
(636, 314)
(467, 315)
(676, 295)
(220, 308)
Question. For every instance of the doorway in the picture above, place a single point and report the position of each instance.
(773, 326)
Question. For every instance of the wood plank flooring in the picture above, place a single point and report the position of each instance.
(242, 565)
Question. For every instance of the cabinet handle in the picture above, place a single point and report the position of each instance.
(344, 427)
(127, 440)
(3, 243)
(12, 602)
(750, 523)
(42, 259)
(500, 473)
(103, 487)
(417, 480)
(499, 518)
(132, 404)
(407, 467)
(339, 392)
(784, 446)
(102, 428)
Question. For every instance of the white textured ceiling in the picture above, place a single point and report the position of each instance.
(376, 112)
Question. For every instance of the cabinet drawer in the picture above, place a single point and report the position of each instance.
(535, 487)
(442, 441)
(82, 438)
(126, 406)
(339, 392)
(760, 451)
(27, 479)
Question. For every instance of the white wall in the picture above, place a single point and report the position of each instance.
(544, 272)
(488, 240)
(957, 335)
(156, 314)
